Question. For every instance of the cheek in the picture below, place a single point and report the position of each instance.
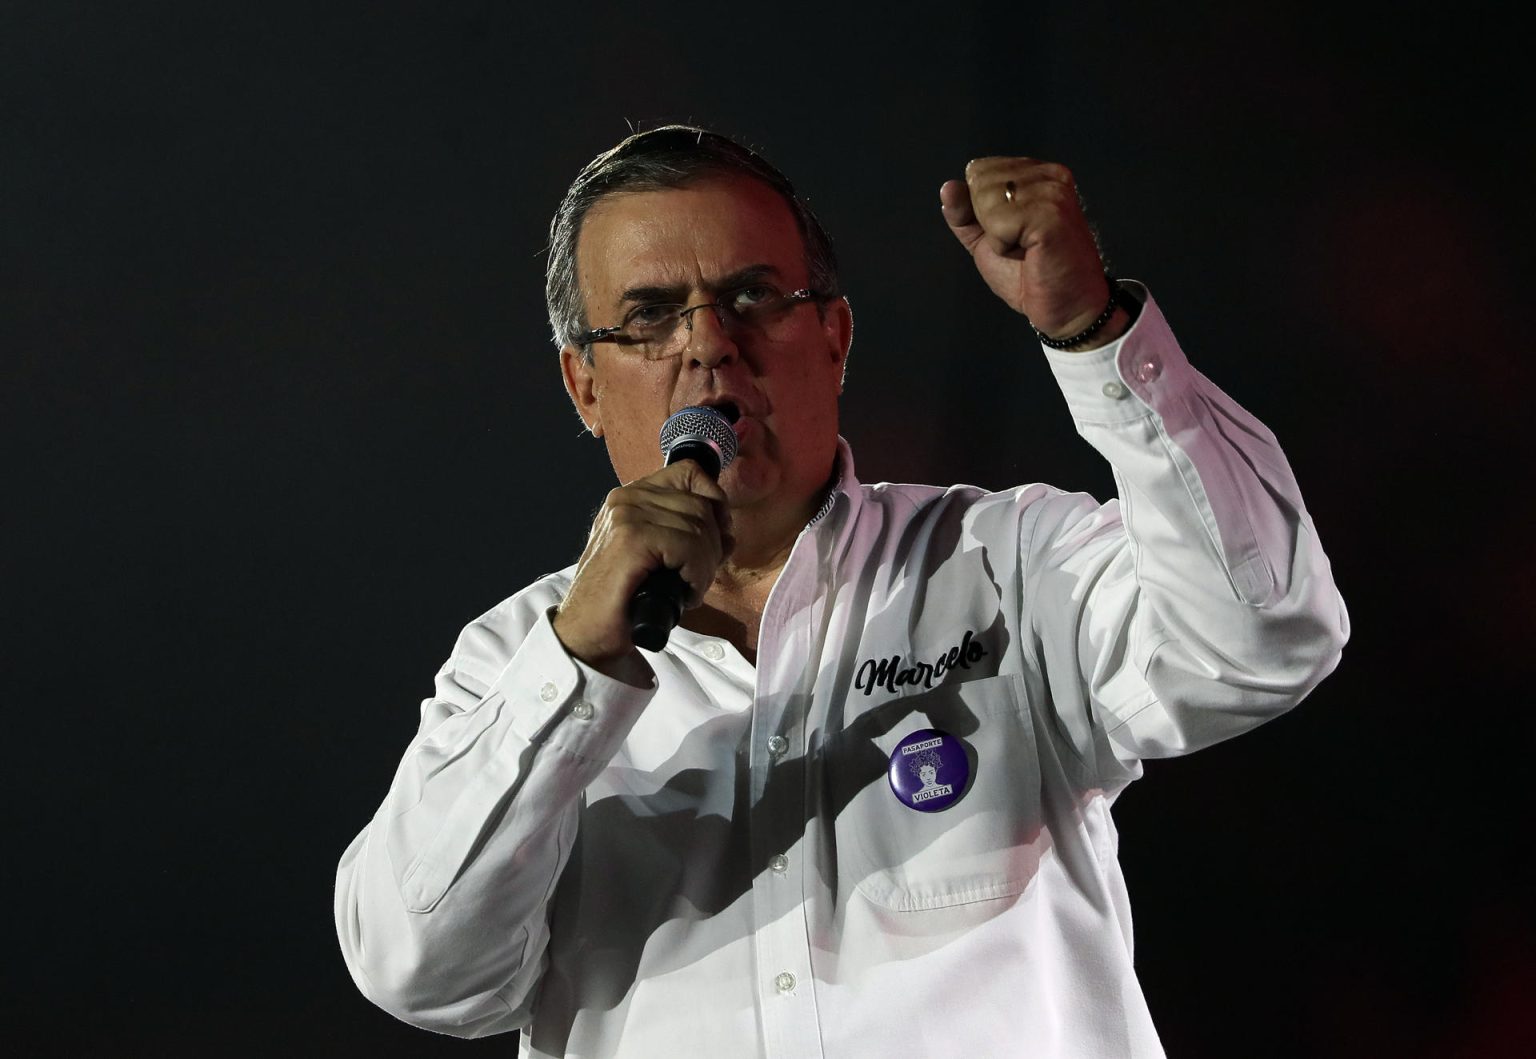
(632, 425)
(632, 456)
(813, 392)
(635, 438)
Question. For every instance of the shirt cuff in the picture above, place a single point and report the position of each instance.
(561, 700)
(1137, 373)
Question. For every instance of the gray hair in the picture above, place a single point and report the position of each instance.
(672, 156)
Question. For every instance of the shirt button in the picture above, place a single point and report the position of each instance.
(582, 711)
(779, 863)
(784, 982)
(1114, 390)
(1148, 370)
(777, 744)
(549, 693)
(713, 651)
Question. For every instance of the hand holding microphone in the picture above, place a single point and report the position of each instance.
(653, 550)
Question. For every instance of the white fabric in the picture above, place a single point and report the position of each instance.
(594, 862)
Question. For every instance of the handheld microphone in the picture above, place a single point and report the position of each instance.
(705, 436)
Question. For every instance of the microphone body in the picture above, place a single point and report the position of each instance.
(705, 436)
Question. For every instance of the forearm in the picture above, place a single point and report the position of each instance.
(441, 902)
(1216, 609)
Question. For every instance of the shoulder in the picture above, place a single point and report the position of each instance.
(901, 502)
(487, 644)
(900, 521)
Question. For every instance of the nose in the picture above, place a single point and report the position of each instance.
(709, 343)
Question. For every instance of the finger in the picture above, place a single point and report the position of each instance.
(689, 480)
(682, 485)
(1036, 211)
(1018, 225)
(1001, 183)
(694, 553)
(998, 192)
(979, 165)
(685, 488)
(955, 201)
(1007, 190)
(1000, 168)
(671, 509)
(689, 477)
(988, 172)
(696, 558)
(654, 536)
(638, 525)
(955, 205)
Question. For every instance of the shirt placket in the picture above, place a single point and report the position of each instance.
(786, 992)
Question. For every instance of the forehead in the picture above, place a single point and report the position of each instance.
(686, 237)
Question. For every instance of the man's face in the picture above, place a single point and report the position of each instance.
(691, 245)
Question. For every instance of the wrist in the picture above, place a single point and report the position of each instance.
(1109, 324)
(1119, 323)
(618, 662)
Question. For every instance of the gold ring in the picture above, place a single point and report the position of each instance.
(1008, 191)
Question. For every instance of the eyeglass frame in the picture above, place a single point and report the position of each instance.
(685, 314)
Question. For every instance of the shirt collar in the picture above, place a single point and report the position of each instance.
(843, 482)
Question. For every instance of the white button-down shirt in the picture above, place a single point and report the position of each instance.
(717, 865)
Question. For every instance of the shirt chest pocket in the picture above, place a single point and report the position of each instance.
(987, 843)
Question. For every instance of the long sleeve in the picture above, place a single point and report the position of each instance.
(1199, 604)
(442, 900)
(744, 880)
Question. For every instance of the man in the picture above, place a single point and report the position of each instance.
(859, 805)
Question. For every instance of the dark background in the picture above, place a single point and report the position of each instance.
(280, 416)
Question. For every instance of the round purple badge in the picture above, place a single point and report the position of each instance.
(929, 770)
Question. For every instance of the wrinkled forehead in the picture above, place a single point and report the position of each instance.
(687, 237)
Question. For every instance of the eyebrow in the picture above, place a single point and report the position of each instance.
(676, 294)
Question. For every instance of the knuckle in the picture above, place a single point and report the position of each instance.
(1059, 194)
(623, 532)
(977, 168)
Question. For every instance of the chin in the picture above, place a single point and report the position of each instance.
(747, 482)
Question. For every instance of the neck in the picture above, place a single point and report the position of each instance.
(764, 536)
(766, 529)
(733, 606)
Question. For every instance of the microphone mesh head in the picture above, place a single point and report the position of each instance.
(699, 425)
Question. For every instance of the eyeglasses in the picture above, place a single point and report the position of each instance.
(658, 330)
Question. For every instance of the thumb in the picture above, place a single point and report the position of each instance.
(689, 476)
(955, 204)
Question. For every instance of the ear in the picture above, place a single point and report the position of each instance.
(581, 383)
(837, 325)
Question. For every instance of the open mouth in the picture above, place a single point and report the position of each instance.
(729, 410)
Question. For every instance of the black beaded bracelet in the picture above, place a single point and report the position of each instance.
(1116, 299)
